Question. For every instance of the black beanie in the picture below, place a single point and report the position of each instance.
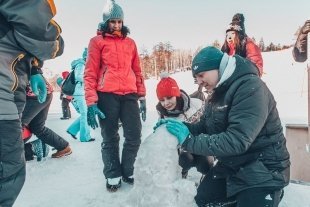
(237, 24)
(209, 58)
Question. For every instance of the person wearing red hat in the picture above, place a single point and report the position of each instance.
(175, 103)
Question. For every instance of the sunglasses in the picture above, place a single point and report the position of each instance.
(116, 21)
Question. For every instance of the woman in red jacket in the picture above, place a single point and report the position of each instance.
(238, 43)
(113, 86)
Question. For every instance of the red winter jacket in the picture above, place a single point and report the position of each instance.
(254, 54)
(112, 66)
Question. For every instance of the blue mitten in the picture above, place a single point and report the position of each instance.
(38, 87)
(59, 81)
(178, 129)
(92, 111)
(160, 122)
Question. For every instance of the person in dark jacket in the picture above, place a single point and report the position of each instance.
(65, 100)
(34, 117)
(242, 128)
(300, 49)
(21, 41)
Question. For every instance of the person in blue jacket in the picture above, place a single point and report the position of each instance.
(27, 33)
(79, 103)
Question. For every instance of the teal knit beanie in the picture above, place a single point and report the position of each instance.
(112, 11)
(209, 58)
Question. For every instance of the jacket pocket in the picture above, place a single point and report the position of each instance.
(254, 173)
(102, 75)
(219, 118)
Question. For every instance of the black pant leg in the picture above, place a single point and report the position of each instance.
(211, 190)
(28, 152)
(11, 187)
(37, 123)
(202, 163)
(109, 104)
(130, 118)
(12, 161)
(258, 197)
(33, 108)
(186, 160)
(65, 107)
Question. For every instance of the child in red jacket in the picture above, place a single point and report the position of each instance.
(238, 43)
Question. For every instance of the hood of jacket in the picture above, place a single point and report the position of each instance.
(243, 67)
(76, 62)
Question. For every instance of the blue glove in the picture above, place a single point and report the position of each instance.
(143, 109)
(178, 129)
(38, 87)
(160, 122)
(59, 81)
(92, 111)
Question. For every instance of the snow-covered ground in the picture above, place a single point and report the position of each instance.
(78, 181)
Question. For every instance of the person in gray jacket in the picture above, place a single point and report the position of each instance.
(301, 45)
(22, 41)
(242, 128)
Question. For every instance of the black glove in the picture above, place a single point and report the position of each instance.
(143, 108)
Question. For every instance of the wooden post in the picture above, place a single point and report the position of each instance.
(308, 72)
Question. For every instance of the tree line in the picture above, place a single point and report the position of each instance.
(164, 57)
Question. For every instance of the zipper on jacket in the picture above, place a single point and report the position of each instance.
(19, 57)
(102, 80)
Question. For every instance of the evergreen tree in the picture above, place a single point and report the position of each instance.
(261, 45)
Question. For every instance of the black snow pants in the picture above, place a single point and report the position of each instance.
(188, 160)
(35, 115)
(66, 113)
(212, 192)
(125, 108)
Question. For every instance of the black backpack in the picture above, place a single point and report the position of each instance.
(68, 86)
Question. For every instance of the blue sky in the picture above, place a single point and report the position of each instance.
(185, 24)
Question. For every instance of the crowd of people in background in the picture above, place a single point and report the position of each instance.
(232, 134)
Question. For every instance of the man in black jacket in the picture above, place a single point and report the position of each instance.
(27, 34)
(241, 128)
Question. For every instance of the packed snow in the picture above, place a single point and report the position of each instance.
(77, 180)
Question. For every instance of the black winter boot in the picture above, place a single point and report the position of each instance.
(129, 180)
(113, 188)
